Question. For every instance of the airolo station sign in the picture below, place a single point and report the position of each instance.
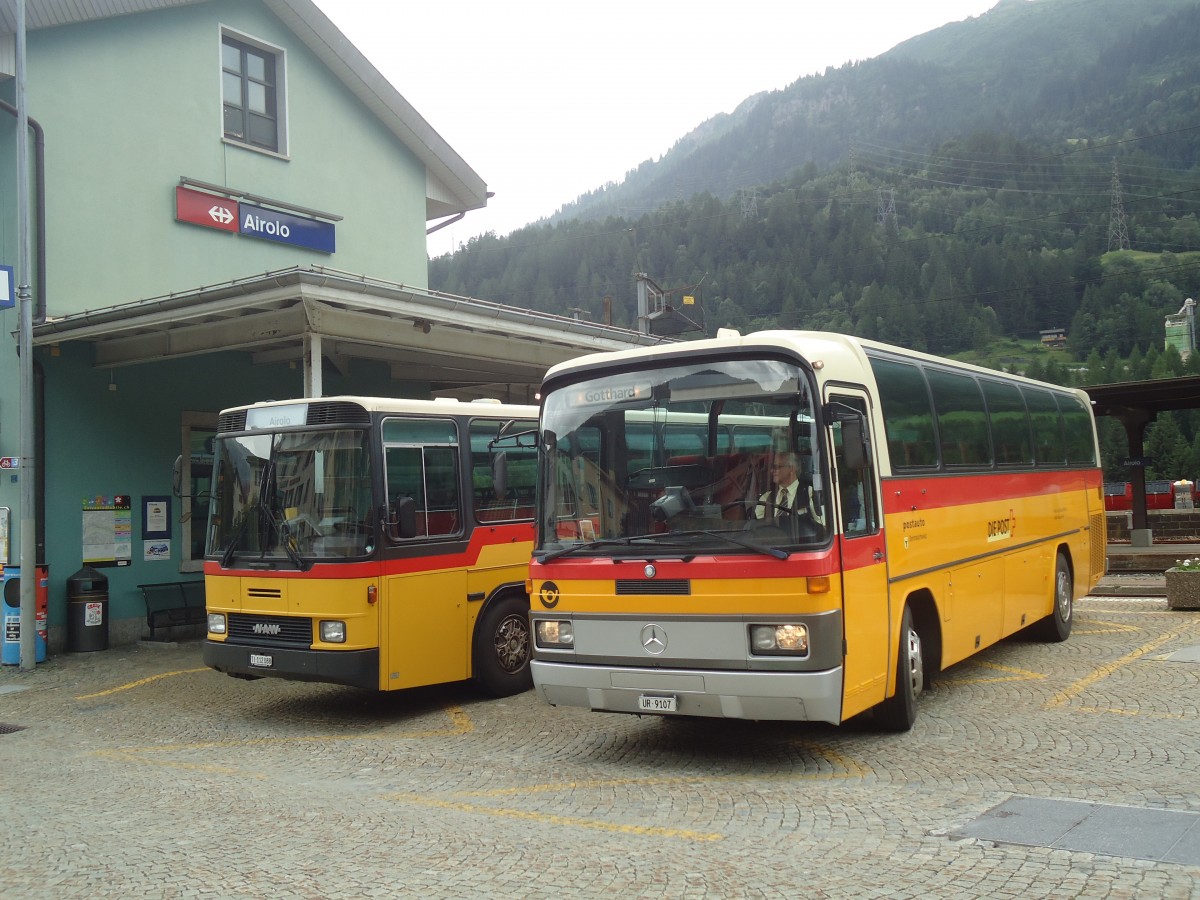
(225, 214)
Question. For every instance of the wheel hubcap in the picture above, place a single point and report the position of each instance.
(512, 643)
(916, 667)
(1063, 593)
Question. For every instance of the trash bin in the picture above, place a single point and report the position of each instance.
(10, 649)
(87, 611)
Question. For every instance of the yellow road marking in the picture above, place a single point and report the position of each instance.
(1142, 713)
(1113, 627)
(552, 819)
(850, 769)
(460, 724)
(133, 755)
(1074, 690)
(1017, 674)
(133, 684)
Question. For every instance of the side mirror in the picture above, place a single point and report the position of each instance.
(405, 510)
(855, 447)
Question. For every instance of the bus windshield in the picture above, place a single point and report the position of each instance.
(702, 457)
(291, 498)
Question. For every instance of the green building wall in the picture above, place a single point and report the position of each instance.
(130, 104)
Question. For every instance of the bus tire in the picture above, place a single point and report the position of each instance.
(501, 647)
(899, 712)
(1056, 627)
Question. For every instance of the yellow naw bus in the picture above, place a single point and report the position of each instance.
(371, 542)
(931, 509)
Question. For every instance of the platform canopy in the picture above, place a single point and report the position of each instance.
(317, 317)
(1135, 404)
(1152, 397)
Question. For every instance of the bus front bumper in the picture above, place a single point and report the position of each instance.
(356, 668)
(784, 696)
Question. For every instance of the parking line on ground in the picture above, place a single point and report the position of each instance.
(555, 819)
(1074, 690)
(1016, 674)
(141, 681)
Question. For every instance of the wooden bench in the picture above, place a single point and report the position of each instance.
(173, 603)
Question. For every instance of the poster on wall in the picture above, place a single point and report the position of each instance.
(107, 530)
(158, 549)
(156, 528)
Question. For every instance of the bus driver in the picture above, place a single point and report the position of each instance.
(781, 500)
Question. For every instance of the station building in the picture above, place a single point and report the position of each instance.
(229, 204)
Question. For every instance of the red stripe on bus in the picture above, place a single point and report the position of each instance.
(940, 491)
(482, 537)
(699, 568)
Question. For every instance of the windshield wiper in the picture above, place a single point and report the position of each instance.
(600, 542)
(285, 538)
(741, 542)
(227, 556)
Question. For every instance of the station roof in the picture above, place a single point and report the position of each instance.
(462, 347)
(1155, 396)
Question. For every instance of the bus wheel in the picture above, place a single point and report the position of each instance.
(1056, 627)
(898, 712)
(501, 657)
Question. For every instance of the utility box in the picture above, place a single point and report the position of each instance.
(10, 649)
(87, 611)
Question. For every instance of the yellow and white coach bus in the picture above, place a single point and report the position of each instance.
(930, 509)
(371, 542)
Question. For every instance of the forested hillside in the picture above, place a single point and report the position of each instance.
(1034, 168)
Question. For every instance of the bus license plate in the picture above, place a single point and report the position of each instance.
(261, 660)
(649, 703)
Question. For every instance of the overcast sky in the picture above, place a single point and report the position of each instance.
(550, 99)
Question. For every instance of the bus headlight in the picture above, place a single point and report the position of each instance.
(554, 634)
(779, 640)
(216, 623)
(333, 632)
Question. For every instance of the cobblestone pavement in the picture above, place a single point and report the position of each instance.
(139, 773)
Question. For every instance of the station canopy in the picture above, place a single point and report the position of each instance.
(1160, 395)
(462, 347)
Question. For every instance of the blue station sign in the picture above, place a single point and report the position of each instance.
(273, 225)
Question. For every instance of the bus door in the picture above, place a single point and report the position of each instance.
(863, 552)
(424, 616)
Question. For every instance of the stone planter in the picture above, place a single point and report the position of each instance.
(1183, 588)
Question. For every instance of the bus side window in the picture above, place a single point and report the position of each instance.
(428, 475)
(907, 414)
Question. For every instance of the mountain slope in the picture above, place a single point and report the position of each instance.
(1040, 70)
